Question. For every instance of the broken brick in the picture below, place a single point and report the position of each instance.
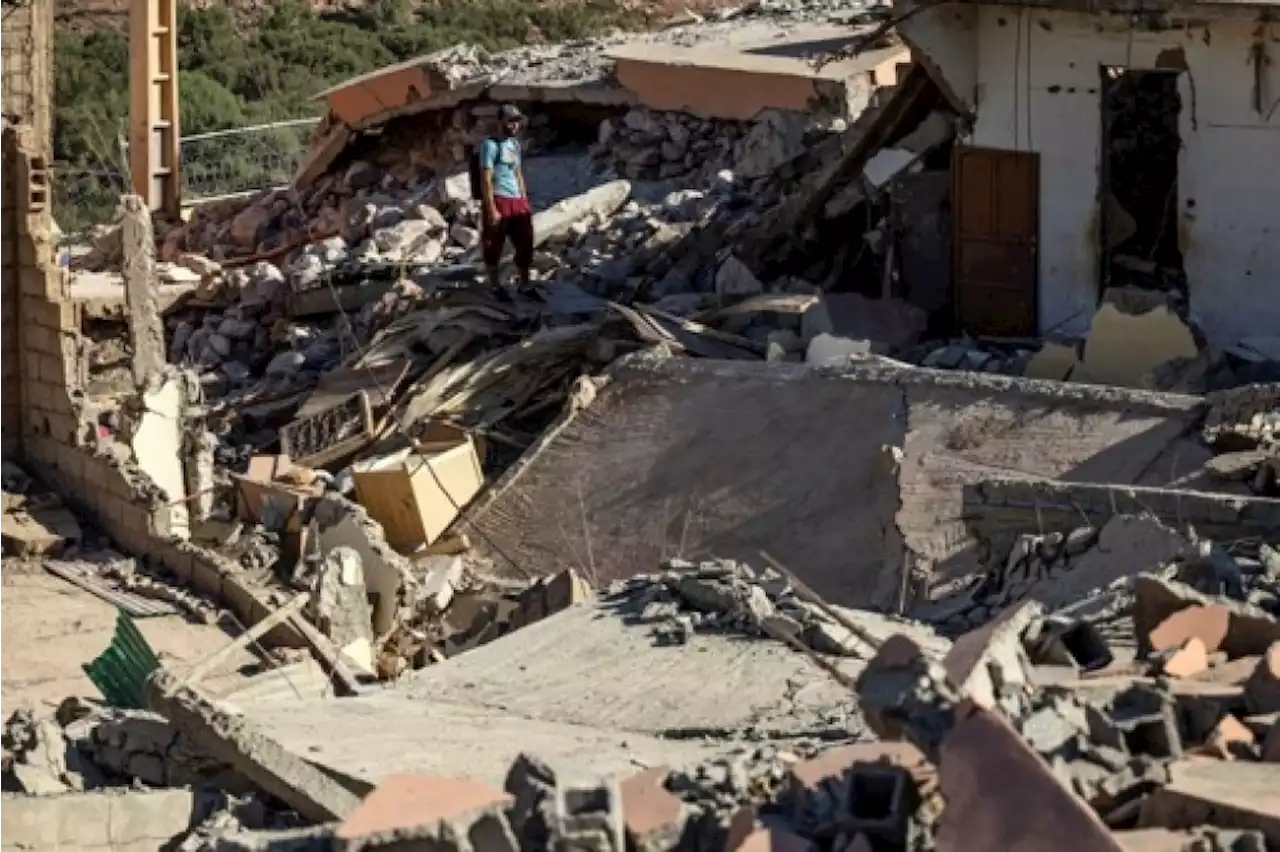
(744, 822)
(807, 777)
(1262, 689)
(772, 840)
(1229, 739)
(1188, 660)
(1234, 672)
(1206, 623)
(654, 818)
(1001, 795)
(403, 803)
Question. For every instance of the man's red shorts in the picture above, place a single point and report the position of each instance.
(515, 222)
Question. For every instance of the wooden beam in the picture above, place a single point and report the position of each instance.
(254, 633)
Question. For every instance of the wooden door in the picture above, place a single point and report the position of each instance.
(996, 203)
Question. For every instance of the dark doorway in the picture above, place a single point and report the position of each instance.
(1139, 191)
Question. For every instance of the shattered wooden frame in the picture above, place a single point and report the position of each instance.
(328, 435)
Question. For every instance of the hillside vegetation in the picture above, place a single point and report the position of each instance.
(232, 78)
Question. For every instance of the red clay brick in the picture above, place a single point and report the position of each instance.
(1188, 660)
(1207, 623)
(408, 801)
(652, 815)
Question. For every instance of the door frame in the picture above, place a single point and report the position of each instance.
(957, 240)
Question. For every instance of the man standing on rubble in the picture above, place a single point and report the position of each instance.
(506, 213)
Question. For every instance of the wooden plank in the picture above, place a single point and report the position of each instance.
(254, 633)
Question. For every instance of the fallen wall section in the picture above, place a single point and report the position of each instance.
(134, 821)
(851, 477)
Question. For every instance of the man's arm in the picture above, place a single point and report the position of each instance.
(524, 192)
(488, 158)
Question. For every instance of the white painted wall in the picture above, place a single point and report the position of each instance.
(1038, 89)
(946, 39)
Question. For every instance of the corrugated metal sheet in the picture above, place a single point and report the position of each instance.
(121, 671)
(134, 604)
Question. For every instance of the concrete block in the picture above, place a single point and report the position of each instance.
(100, 820)
(1226, 794)
(589, 816)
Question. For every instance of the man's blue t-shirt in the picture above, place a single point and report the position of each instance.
(502, 156)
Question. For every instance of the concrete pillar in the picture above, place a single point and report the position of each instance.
(146, 330)
(153, 105)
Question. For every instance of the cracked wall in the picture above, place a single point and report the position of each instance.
(1033, 76)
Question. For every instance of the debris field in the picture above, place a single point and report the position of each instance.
(726, 535)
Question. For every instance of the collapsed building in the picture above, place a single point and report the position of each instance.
(555, 571)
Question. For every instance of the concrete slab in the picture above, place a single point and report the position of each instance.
(697, 457)
(133, 821)
(582, 690)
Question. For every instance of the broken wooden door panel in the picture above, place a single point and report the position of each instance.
(997, 204)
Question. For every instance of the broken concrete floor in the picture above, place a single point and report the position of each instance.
(51, 628)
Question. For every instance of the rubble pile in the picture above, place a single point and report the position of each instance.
(725, 595)
(646, 144)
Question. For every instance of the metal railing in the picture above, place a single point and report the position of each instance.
(218, 164)
(243, 159)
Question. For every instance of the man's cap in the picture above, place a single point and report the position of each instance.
(509, 112)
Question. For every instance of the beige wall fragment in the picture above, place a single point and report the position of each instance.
(1122, 348)
(1054, 361)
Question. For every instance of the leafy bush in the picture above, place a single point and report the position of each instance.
(235, 73)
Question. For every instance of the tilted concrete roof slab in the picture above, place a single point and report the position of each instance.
(831, 470)
(582, 689)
